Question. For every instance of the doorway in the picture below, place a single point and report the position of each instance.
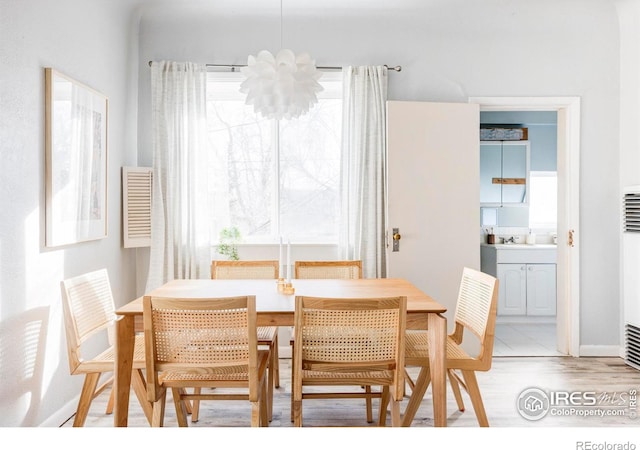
(528, 213)
(568, 156)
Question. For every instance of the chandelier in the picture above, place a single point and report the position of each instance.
(283, 86)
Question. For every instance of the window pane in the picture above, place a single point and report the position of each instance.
(242, 170)
(310, 173)
(543, 201)
(269, 191)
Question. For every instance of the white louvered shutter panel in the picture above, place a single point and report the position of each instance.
(136, 206)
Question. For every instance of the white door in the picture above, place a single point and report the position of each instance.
(434, 194)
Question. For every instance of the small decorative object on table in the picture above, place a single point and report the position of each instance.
(281, 284)
(289, 289)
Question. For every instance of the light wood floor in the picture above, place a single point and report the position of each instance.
(609, 378)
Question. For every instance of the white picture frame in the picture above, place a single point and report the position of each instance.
(76, 161)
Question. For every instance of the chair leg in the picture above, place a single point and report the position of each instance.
(421, 385)
(296, 409)
(271, 376)
(296, 393)
(367, 390)
(409, 381)
(88, 388)
(292, 382)
(264, 406)
(396, 421)
(140, 388)
(157, 419)
(255, 414)
(455, 387)
(384, 402)
(181, 410)
(111, 402)
(476, 399)
(187, 404)
(276, 364)
(195, 406)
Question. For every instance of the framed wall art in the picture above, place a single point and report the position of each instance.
(76, 161)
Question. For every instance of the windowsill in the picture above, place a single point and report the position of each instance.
(276, 244)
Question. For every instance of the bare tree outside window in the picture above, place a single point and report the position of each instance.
(274, 178)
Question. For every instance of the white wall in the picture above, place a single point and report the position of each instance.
(91, 42)
(629, 13)
(449, 51)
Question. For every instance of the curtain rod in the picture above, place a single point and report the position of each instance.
(233, 67)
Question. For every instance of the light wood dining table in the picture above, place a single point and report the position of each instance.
(277, 309)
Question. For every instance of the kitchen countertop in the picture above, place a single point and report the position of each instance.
(521, 246)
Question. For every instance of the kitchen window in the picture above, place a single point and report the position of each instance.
(543, 200)
(275, 178)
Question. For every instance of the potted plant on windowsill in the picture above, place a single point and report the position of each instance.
(229, 239)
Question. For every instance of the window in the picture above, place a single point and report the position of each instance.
(275, 178)
(543, 200)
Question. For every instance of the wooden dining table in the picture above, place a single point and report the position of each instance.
(277, 309)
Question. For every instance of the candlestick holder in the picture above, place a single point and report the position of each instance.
(280, 283)
(289, 289)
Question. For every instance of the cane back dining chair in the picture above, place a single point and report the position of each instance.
(267, 336)
(89, 314)
(344, 269)
(349, 342)
(475, 314)
(339, 269)
(204, 343)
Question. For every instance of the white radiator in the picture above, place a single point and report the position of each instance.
(631, 274)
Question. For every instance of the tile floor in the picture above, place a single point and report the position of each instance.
(524, 339)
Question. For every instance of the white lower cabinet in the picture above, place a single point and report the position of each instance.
(526, 276)
(512, 290)
(527, 289)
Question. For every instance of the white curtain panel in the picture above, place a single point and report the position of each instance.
(180, 217)
(364, 168)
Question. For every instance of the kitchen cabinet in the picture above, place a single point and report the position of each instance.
(504, 173)
(527, 289)
(526, 275)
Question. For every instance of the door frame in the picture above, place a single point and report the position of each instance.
(568, 263)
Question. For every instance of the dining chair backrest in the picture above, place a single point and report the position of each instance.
(89, 309)
(227, 270)
(476, 311)
(190, 336)
(336, 335)
(345, 269)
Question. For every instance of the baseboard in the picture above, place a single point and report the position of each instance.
(600, 350)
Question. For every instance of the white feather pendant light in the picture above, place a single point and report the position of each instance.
(281, 87)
